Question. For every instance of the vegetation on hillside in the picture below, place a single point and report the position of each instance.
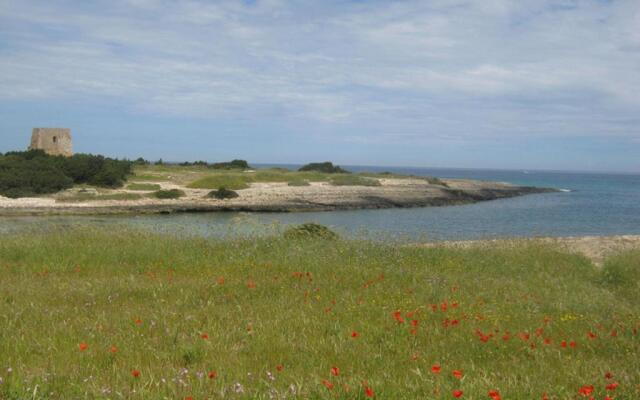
(223, 193)
(126, 314)
(326, 167)
(34, 172)
(168, 194)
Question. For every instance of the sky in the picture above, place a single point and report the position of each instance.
(522, 84)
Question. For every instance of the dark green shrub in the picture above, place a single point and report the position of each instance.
(327, 167)
(235, 164)
(223, 193)
(298, 183)
(20, 177)
(27, 173)
(310, 230)
(168, 194)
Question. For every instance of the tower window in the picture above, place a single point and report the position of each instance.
(55, 139)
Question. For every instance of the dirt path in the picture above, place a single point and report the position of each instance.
(597, 248)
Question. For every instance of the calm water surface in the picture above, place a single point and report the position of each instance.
(595, 204)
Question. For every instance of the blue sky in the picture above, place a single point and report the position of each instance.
(490, 84)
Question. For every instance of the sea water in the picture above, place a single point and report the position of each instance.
(588, 204)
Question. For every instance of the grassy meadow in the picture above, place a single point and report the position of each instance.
(87, 314)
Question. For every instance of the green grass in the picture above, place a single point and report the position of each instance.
(149, 177)
(264, 303)
(81, 197)
(143, 186)
(168, 194)
(353, 180)
(229, 180)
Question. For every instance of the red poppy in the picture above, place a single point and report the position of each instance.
(188, 398)
(547, 341)
(573, 345)
(83, 346)
(220, 280)
(563, 344)
(205, 336)
(414, 322)
(612, 386)
(414, 357)
(443, 306)
(436, 368)
(505, 337)
(434, 307)
(608, 398)
(608, 375)
(368, 391)
(212, 374)
(494, 394)
(327, 384)
(545, 397)
(138, 321)
(591, 335)
(524, 336)
(539, 331)
(335, 371)
(354, 334)
(457, 373)
(113, 349)
(135, 373)
(251, 284)
(279, 367)
(586, 390)
(457, 393)
(614, 333)
(398, 317)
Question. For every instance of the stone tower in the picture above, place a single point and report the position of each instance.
(54, 141)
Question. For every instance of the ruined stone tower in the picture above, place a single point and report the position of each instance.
(54, 141)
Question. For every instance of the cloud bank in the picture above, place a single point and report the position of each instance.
(384, 71)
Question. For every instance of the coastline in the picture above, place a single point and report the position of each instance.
(279, 197)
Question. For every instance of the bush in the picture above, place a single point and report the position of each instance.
(168, 194)
(310, 230)
(327, 167)
(235, 164)
(34, 172)
(223, 193)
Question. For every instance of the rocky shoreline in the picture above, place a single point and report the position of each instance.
(278, 197)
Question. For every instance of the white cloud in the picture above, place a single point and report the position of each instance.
(441, 68)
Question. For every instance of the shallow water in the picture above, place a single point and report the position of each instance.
(595, 204)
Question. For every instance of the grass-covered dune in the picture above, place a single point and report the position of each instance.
(89, 314)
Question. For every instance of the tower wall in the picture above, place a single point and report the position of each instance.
(54, 141)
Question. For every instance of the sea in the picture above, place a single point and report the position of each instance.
(597, 204)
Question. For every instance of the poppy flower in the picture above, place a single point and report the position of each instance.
(608, 375)
(279, 367)
(205, 336)
(457, 393)
(524, 336)
(563, 344)
(573, 345)
(457, 373)
(494, 394)
(327, 384)
(414, 322)
(443, 306)
(614, 333)
(83, 346)
(188, 398)
(251, 284)
(545, 397)
(612, 386)
(547, 341)
(586, 390)
(368, 391)
(212, 374)
(436, 368)
(398, 317)
(138, 321)
(335, 371)
(220, 280)
(135, 373)
(354, 334)
(591, 335)
(113, 349)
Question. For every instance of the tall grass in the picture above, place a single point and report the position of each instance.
(272, 318)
